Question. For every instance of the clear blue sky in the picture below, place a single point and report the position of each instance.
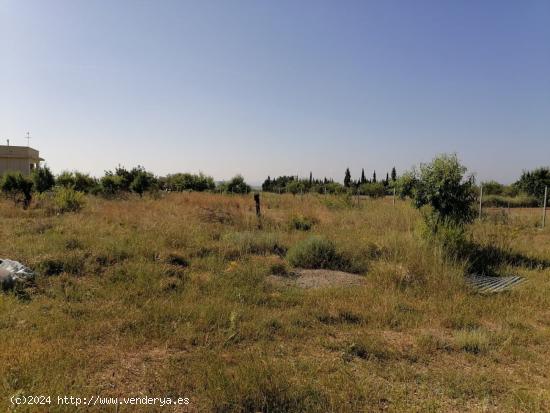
(277, 87)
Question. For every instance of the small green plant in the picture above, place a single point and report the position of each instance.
(317, 253)
(302, 223)
(68, 200)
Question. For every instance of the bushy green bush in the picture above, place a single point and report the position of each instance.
(302, 223)
(43, 179)
(137, 180)
(68, 200)
(405, 184)
(111, 184)
(77, 180)
(188, 182)
(236, 185)
(317, 253)
(534, 182)
(372, 189)
(520, 201)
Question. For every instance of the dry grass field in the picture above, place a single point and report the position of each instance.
(173, 297)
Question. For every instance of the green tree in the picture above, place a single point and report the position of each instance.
(17, 187)
(374, 177)
(111, 184)
(143, 181)
(442, 185)
(492, 188)
(236, 185)
(393, 174)
(65, 179)
(43, 179)
(363, 177)
(533, 182)
(347, 178)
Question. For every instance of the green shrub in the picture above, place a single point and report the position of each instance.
(533, 182)
(68, 200)
(302, 223)
(236, 185)
(43, 179)
(317, 253)
(143, 181)
(450, 236)
(111, 184)
(76, 180)
(500, 201)
(372, 189)
(188, 182)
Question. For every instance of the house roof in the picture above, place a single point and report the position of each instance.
(19, 152)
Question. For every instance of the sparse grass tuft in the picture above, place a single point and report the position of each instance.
(474, 341)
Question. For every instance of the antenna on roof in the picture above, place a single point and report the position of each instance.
(28, 138)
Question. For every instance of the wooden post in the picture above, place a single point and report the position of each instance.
(258, 211)
(544, 206)
(394, 196)
(257, 201)
(480, 199)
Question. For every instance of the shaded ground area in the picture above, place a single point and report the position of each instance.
(317, 279)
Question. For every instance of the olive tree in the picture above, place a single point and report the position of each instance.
(17, 187)
(443, 185)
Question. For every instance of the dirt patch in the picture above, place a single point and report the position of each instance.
(317, 279)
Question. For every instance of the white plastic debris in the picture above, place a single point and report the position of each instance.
(12, 272)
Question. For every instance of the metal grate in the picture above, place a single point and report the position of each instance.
(485, 284)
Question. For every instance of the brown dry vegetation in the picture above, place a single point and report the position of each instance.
(170, 297)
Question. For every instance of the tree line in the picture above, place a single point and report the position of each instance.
(529, 187)
(362, 186)
(138, 180)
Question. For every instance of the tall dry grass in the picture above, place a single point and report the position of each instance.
(169, 296)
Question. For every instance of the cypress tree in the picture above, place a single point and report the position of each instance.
(374, 177)
(363, 178)
(347, 178)
(393, 174)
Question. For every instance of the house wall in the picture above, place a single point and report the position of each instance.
(15, 165)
